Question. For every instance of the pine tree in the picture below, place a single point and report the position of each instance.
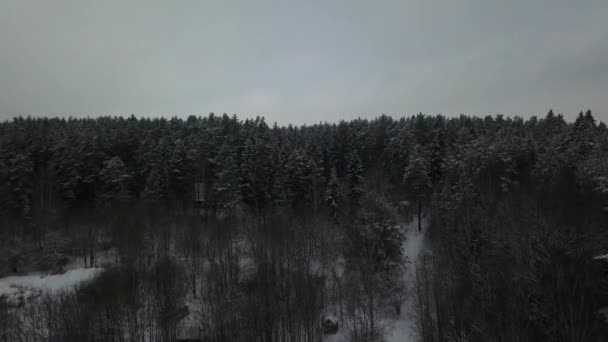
(582, 138)
(315, 179)
(298, 173)
(374, 259)
(226, 188)
(436, 155)
(182, 171)
(114, 181)
(255, 173)
(20, 171)
(355, 179)
(279, 191)
(416, 178)
(332, 194)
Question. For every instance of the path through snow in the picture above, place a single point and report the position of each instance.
(404, 328)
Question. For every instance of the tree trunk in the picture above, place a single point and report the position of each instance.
(419, 213)
(193, 279)
(372, 323)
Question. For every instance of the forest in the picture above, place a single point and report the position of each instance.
(215, 228)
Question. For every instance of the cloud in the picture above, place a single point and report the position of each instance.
(310, 62)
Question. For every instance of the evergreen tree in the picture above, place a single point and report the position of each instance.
(280, 191)
(355, 179)
(332, 194)
(315, 180)
(437, 153)
(182, 171)
(20, 171)
(114, 182)
(416, 178)
(375, 260)
(156, 185)
(298, 177)
(226, 187)
(255, 174)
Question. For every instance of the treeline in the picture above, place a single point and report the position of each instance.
(270, 228)
(518, 217)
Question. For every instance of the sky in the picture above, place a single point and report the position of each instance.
(303, 61)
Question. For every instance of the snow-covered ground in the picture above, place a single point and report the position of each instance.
(18, 289)
(603, 257)
(404, 328)
(340, 336)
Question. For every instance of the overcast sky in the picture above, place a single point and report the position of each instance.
(303, 61)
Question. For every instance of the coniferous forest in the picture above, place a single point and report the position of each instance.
(222, 229)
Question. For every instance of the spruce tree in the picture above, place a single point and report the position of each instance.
(417, 180)
(332, 194)
(355, 179)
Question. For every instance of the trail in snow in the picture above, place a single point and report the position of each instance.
(404, 328)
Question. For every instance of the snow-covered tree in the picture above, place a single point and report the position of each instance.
(19, 173)
(355, 179)
(333, 195)
(417, 180)
(375, 263)
(226, 187)
(114, 182)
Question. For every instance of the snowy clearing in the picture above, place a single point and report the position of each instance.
(25, 287)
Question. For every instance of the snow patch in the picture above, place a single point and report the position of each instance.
(603, 257)
(17, 289)
(340, 336)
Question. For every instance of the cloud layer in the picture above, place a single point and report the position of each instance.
(305, 61)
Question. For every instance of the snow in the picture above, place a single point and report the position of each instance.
(404, 328)
(30, 286)
(340, 336)
(601, 257)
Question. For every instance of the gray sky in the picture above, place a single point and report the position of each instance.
(303, 61)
